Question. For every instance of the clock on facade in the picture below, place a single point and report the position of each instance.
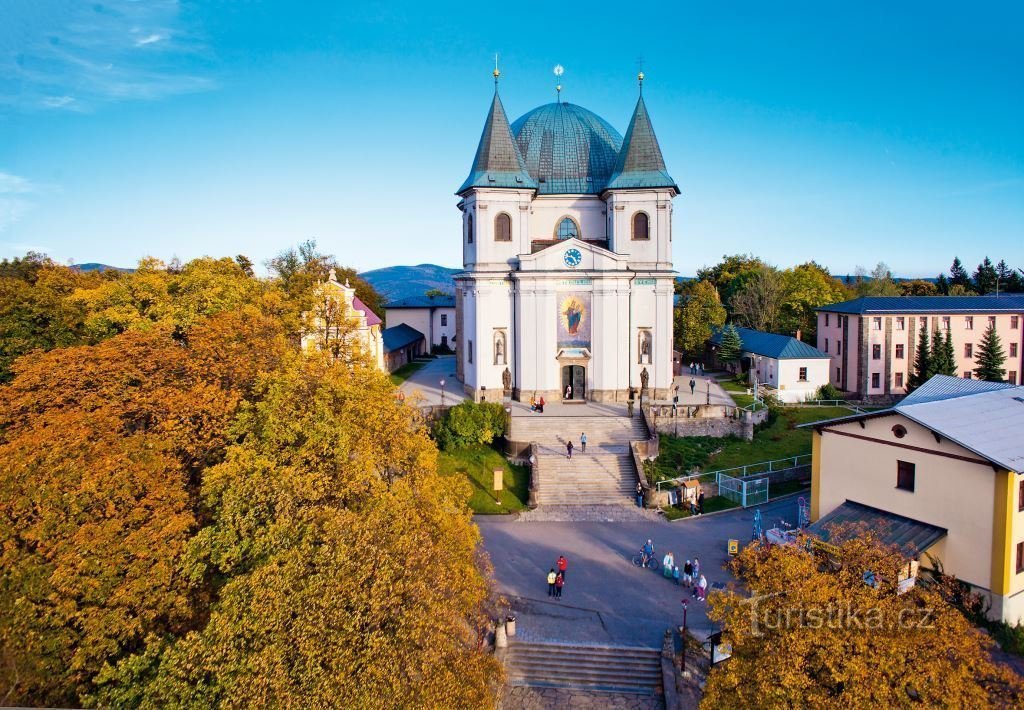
(572, 258)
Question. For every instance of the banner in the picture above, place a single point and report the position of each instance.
(574, 316)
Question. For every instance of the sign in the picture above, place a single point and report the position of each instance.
(498, 482)
(646, 282)
(575, 282)
(734, 548)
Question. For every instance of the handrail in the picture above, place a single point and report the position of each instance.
(792, 461)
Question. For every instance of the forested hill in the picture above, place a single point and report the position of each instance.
(397, 282)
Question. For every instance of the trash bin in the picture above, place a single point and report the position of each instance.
(510, 626)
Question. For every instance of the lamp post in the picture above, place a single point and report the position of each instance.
(683, 657)
(442, 392)
(757, 366)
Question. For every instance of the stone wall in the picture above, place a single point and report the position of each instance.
(716, 421)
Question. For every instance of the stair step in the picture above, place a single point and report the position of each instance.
(627, 669)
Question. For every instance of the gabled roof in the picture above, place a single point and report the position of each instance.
(498, 162)
(640, 163)
(371, 317)
(399, 336)
(773, 345)
(445, 301)
(912, 537)
(1010, 303)
(946, 387)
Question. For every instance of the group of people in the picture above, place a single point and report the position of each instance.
(556, 577)
(569, 446)
(537, 404)
(697, 368)
(689, 575)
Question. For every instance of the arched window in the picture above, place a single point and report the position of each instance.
(568, 229)
(469, 229)
(641, 226)
(502, 228)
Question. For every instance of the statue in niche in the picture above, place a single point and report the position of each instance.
(499, 349)
(645, 346)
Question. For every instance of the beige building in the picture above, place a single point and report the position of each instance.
(434, 316)
(942, 470)
(340, 319)
(872, 340)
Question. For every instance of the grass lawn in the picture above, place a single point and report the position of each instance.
(738, 392)
(478, 463)
(402, 374)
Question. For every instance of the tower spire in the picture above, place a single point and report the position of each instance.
(558, 71)
(496, 72)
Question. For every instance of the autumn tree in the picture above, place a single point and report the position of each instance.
(700, 313)
(918, 287)
(758, 303)
(806, 288)
(990, 357)
(878, 283)
(812, 633)
(730, 275)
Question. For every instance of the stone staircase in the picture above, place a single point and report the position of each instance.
(604, 475)
(613, 669)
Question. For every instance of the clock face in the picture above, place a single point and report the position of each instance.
(572, 258)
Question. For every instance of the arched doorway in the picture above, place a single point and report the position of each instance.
(576, 377)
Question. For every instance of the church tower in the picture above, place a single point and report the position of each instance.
(567, 288)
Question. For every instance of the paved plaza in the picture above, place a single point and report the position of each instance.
(425, 383)
(607, 600)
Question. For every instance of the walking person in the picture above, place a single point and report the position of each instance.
(533, 403)
(700, 369)
(639, 495)
(688, 574)
(568, 450)
(693, 386)
(583, 442)
(568, 391)
(540, 405)
(559, 583)
(693, 370)
(562, 564)
(702, 589)
(551, 582)
(667, 564)
(700, 502)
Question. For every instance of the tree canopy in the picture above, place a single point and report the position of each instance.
(700, 313)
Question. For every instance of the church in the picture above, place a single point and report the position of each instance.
(566, 291)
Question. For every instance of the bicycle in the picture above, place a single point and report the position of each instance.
(652, 561)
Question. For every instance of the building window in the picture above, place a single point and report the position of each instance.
(899, 379)
(1013, 349)
(968, 349)
(967, 374)
(876, 380)
(900, 323)
(876, 323)
(905, 475)
(1020, 496)
(568, 229)
(924, 321)
(469, 229)
(826, 320)
(444, 319)
(502, 228)
(876, 352)
(803, 374)
(899, 351)
(945, 322)
(969, 322)
(839, 374)
(839, 347)
(1011, 377)
(641, 226)
(1014, 322)
(991, 321)
(1020, 557)
(469, 351)
(826, 344)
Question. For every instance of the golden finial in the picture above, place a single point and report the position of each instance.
(497, 72)
(558, 71)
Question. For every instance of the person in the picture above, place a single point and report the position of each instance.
(700, 502)
(647, 553)
(639, 495)
(533, 403)
(702, 588)
(667, 564)
(551, 582)
(692, 370)
(696, 569)
(693, 386)
(700, 369)
(559, 583)
(563, 564)
(675, 400)
(540, 405)
(583, 442)
(568, 449)
(675, 574)
(693, 506)
(687, 574)
(568, 391)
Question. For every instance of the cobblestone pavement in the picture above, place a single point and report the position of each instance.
(517, 697)
(588, 514)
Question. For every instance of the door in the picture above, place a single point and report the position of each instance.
(575, 376)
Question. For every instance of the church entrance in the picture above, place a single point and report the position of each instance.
(574, 377)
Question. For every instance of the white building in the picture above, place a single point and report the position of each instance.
(434, 316)
(567, 251)
(792, 368)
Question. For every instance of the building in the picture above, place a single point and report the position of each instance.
(434, 316)
(941, 474)
(872, 340)
(340, 321)
(402, 345)
(567, 254)
(792, 368)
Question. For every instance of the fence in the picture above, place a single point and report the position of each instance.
(744, 491)
(761, 467)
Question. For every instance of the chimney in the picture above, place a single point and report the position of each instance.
(798, 333)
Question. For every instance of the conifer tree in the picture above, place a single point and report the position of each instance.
(985, 277)
(990, 358)
(731, 347)
(943, 358)
(922, 363)
(942, 284)
(958, 275)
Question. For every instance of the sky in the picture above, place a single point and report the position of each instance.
(848, 133)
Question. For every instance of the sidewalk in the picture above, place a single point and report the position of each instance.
(699, 396)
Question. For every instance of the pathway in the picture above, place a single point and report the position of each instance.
(699, 396)
(426, 383)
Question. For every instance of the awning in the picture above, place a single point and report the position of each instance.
(912, 537)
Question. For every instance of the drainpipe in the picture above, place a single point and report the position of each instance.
(629, 336)
(515, 337)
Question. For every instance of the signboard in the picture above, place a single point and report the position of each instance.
(498, 482)
(575, 282)
(574, 315)
(646, 282)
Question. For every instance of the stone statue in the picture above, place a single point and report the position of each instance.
(499, 351)
(645, 347)
(644, 378)
(506, 379)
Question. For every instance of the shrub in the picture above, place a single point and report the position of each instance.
(829, 391)
(470, 423)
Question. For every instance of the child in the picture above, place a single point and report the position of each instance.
(552, 578)
(559, 583)
(675, 574)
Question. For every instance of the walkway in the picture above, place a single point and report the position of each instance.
(426, 383)
(700, 394)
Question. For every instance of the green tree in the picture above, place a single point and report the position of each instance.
(918, 287)
(922, 362)
(990, 357)
(958, 275)
(758, 303)
(730, 275)
(806, 288)
(702, 311)
(942, 359)
(878, 283)
(942, 285)
(985, 277)
(730, 348)
(246, 265)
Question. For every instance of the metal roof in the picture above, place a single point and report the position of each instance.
(946, 387)
(1010, 303)
(498, 162)
(567, 149)
(640, 163)
(399, 336)
(773, 345)
(445, 301)
(912, 537)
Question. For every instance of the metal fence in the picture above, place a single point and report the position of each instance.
(744, 491)
(759, 468)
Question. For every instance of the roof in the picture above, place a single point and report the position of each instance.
(1011, 303)
(946, 387)
(445, 301)
(567, 149)
(911, 536)
(498, 162)
(780, 347)
(399, 336)
(640, 163)
(371, 317)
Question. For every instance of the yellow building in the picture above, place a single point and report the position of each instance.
(942, 472)
(340, 322)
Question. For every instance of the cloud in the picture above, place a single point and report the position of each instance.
(63, 56)
(15, 198)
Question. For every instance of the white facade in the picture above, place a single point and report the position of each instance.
(793, 379)
(436, 323)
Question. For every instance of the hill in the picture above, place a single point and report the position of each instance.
(396, 282)
(93, 266)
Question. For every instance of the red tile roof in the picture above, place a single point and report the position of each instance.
(371, 317)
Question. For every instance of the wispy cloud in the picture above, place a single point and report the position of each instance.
(57, 55)
(16, 197)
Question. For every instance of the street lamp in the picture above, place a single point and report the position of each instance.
(683, 634)
(442, 391)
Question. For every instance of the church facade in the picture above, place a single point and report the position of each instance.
(567, 287)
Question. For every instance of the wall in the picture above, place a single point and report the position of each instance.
(418, 318)
(791, 389)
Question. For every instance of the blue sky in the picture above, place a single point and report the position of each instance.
(847, 133)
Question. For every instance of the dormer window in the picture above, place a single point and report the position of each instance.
(568, 229)
(641, 226)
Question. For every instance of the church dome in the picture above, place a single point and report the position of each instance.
(567, 149)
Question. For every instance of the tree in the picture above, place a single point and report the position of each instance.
(990, 357)
(435, 293)
(730, 275)
(958, 275)
(1008, 279)
(942, 359)
(730, 348)
(942, 285)
(985, 277)
(814, 634)
(878, 283)
(246, 265)
(922, 362)
(917, 287)
(758, 303)
(806, 288)
(701, 312)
